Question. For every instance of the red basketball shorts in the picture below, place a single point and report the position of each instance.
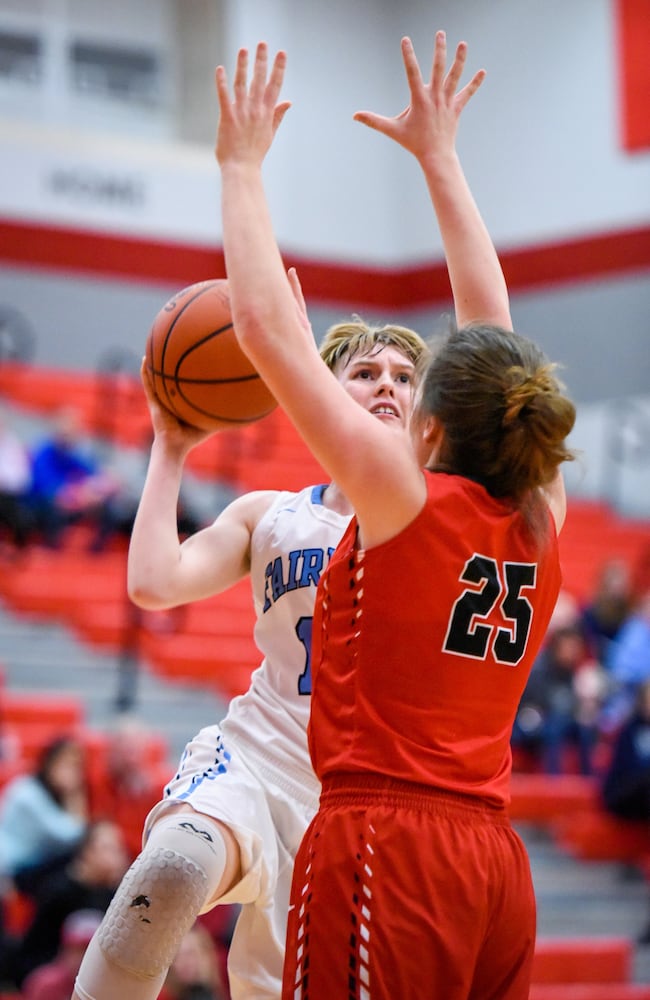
(400, 893)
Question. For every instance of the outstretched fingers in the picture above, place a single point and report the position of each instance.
(448, 84)
(452, 79)
(412, 67)
(240, 81)
(439, 61)
(276, 77)
(251, 114)
(264, 87)
(470, 89)
(260, 69)
(223, 94)
(379, 122)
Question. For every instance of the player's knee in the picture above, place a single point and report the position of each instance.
(162, 893)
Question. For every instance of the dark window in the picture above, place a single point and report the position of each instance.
(129, 75)
(21, 57)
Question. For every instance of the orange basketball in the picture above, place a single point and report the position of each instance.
(199, 371)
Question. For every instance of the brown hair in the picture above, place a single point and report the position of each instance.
(504, 412)
(345, 340)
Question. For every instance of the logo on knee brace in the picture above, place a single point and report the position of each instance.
(138, 901)
(200, 833)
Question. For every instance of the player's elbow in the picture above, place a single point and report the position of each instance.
(147, 596)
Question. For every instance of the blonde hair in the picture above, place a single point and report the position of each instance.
(345, 340)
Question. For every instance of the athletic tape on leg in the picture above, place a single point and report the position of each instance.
(162, 893)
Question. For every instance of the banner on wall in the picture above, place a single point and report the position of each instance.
(89, 204)
(155, 191)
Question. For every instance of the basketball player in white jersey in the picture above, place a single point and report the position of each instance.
(245, 789)
(231, 820)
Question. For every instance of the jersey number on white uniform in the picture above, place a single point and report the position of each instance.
(303, 631)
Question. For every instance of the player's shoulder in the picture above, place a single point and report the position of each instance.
(252, 506)
(289, 501)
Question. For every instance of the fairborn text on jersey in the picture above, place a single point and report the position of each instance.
(299, 568)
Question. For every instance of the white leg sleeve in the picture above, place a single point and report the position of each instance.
(156, 903)
(101, 979)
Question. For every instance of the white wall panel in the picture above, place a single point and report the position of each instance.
(539, 141)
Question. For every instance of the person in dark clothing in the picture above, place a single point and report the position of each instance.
(626, 785)
(86, 883)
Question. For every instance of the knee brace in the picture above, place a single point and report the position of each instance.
(162, 893)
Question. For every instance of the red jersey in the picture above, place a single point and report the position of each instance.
(422, 646)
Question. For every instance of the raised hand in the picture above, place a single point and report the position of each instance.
(250, 118)
(428, 125)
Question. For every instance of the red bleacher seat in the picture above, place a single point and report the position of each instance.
(585, 969)
(592, 534)
(224, 663)
(30, 722)
(589, 991)
(62, 711)
(583, 960)
(47, 582)
(542, 798)
(45, 390)
(595, 835)
(10, 768)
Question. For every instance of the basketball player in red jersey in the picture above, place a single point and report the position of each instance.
(233, 817)
(410, 881)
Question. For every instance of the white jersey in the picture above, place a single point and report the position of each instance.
(253, 772)
(290, 548)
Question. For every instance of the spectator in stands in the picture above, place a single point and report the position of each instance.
(195, 972)
(15, 485)
(626, 785)
(55, 980)
(126, 785)
(43, 815)
(68, 485)
(628, 663)
(88, 881)
(561, 704)
(608, 607)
